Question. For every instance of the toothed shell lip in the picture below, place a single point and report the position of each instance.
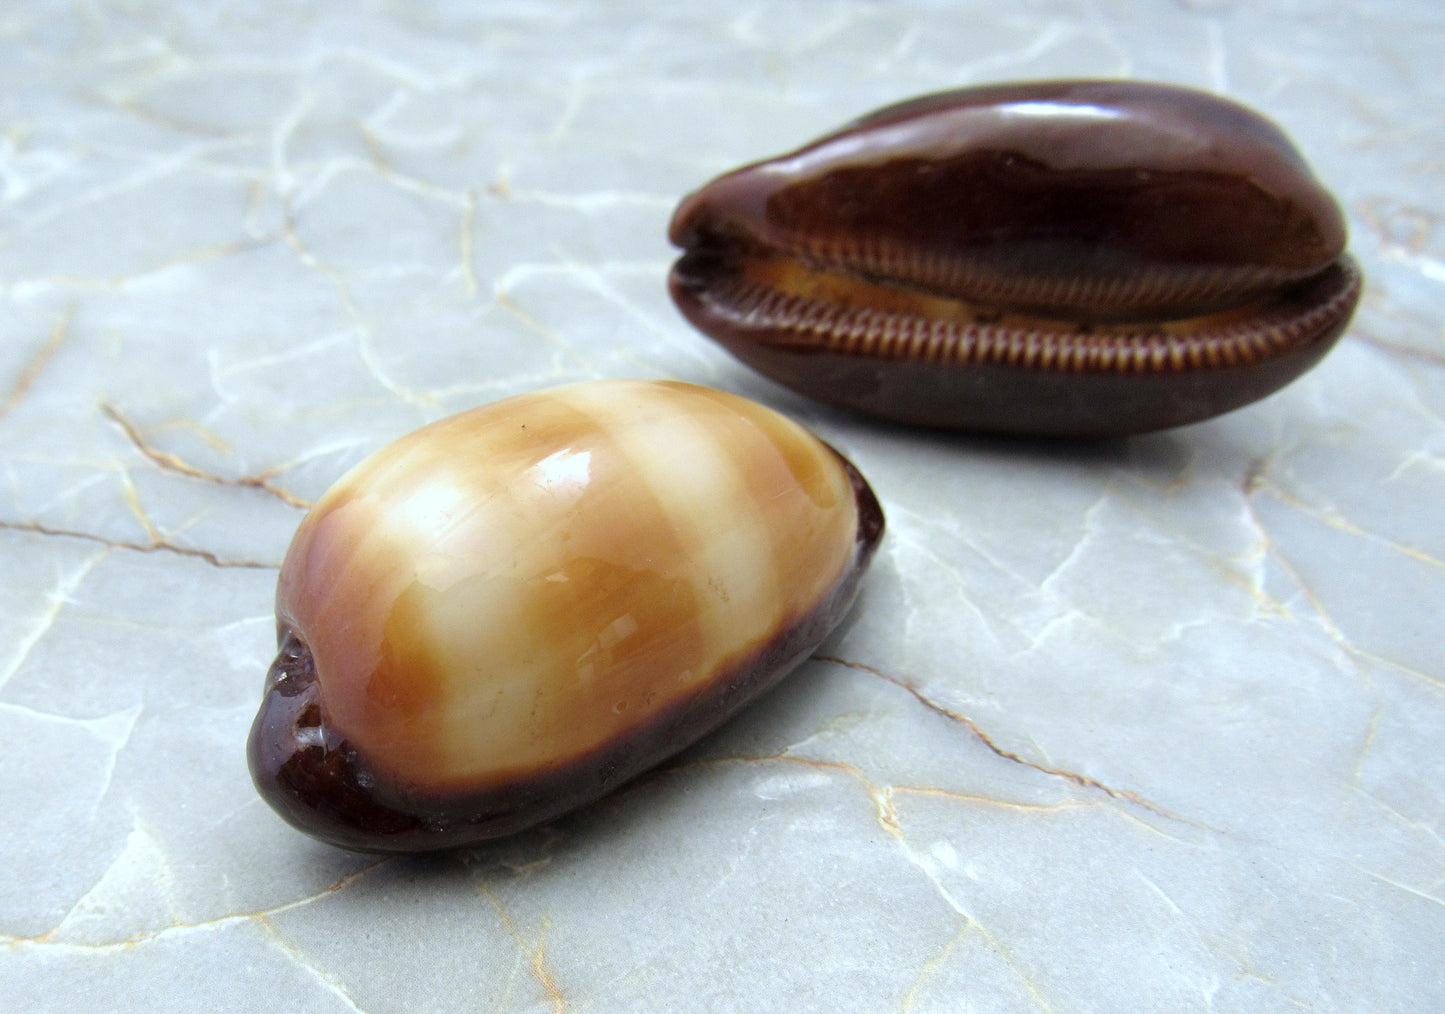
(1025, 234)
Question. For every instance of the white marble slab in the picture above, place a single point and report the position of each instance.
(1155, 724)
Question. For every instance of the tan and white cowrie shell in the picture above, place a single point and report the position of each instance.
(510, 612)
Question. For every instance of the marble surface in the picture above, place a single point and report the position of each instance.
(1153, 724)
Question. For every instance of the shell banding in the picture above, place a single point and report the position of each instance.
(1076, 258)
(510, 612)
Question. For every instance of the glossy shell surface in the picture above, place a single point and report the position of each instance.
(1074, 258)
(510, 612)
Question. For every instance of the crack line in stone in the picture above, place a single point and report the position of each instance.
(1083, 781)
(1368, 745)
(159, 546)
(132, 500)
(1070, 804)
(540, 968)
(1331, 628)
(1203, 939)
(934, 963)
(328, 981)
(1415, 825)
(106, 283)
(1403, 887)
(1434, 681)
(43, 939)
(929, 871)
(1332, 520)
(544, 974)
(36, 366)
(171, 463)
(362, 330)
(58, 598)
(882, 799)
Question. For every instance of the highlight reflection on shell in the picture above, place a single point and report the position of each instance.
(1065, 258)
(506, 614)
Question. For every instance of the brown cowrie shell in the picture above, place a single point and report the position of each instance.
(1069, 258)
(510, 612)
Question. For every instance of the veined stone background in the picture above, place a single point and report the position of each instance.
(1153, 724)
